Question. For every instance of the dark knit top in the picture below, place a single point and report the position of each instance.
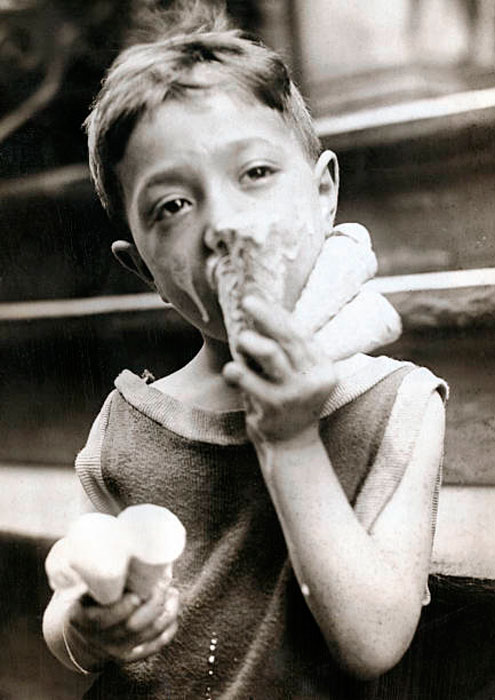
(245, 630)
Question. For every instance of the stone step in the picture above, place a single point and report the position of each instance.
(41, 501)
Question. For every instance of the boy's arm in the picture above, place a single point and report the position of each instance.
(55, 615)
(365, 589)
(60, 639)
(83, 635)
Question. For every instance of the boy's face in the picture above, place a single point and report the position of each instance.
(201, 165)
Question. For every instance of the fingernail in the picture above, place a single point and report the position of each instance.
(166, 636)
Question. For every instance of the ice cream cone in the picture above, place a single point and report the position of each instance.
(61, 575)
(366, 323)
(332, 305)
(98, 552)
(143, 577)
(250, 258)
(346, 261)
(156, 538)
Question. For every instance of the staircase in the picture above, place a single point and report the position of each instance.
(426, 194)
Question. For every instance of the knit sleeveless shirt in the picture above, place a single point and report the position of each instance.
(245, 630)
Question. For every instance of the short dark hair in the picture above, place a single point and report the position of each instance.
(147, 73)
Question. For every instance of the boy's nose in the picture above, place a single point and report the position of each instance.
(221, 237)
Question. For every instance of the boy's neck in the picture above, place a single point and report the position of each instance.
(213, 356)
(200, 382)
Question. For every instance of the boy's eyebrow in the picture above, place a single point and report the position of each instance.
(171, 170)
(244, 144)
(166, 174)
(240, 144)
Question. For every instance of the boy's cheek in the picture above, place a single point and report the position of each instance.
(188, 309)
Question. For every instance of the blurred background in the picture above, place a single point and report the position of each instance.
(403, 91)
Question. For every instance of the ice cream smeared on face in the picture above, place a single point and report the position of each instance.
(181, 273)
(250, 258)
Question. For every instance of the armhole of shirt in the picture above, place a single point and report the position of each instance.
(396, 449)
(88, 463)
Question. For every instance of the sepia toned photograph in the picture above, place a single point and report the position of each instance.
(247, 326)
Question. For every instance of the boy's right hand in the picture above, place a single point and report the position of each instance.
(126, 631)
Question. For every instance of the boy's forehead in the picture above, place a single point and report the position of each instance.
(219, 113)
(207, 122)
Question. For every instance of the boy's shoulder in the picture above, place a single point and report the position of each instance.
(355, 376)
(402, 381)
(371, 427)
(379, 396)
(362, 373)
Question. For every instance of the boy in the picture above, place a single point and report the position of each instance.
(261, 456)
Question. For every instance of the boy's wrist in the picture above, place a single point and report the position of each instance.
(271, 451)
(80, 655)
(297, 441)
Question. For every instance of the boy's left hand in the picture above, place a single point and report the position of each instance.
(286, 377)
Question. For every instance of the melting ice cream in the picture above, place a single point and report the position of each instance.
(250, 258)
(343, 316)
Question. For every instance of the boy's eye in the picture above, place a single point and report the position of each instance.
(258, 172)
(171, 207)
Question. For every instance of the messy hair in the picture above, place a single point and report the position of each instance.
(145, 74)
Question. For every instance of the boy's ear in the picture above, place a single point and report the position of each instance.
(326, 173)
(128, 256)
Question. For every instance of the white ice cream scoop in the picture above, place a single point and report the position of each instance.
(156, 538)
(61, 575)
(345, 263)
(100, 554)
(332, 306)
(103, 555)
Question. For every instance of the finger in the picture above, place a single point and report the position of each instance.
(278, 325)
(151, 609)
(266, 353)
(231, 373)
(275, 324)
(142, 651)
(160, 624)
(345, 262)
(252, 383)
(102, 617)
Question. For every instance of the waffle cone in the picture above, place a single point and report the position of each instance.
(143, 577)
(252, 260)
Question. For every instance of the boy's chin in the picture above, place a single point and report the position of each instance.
(213, 330)
(218, 336)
